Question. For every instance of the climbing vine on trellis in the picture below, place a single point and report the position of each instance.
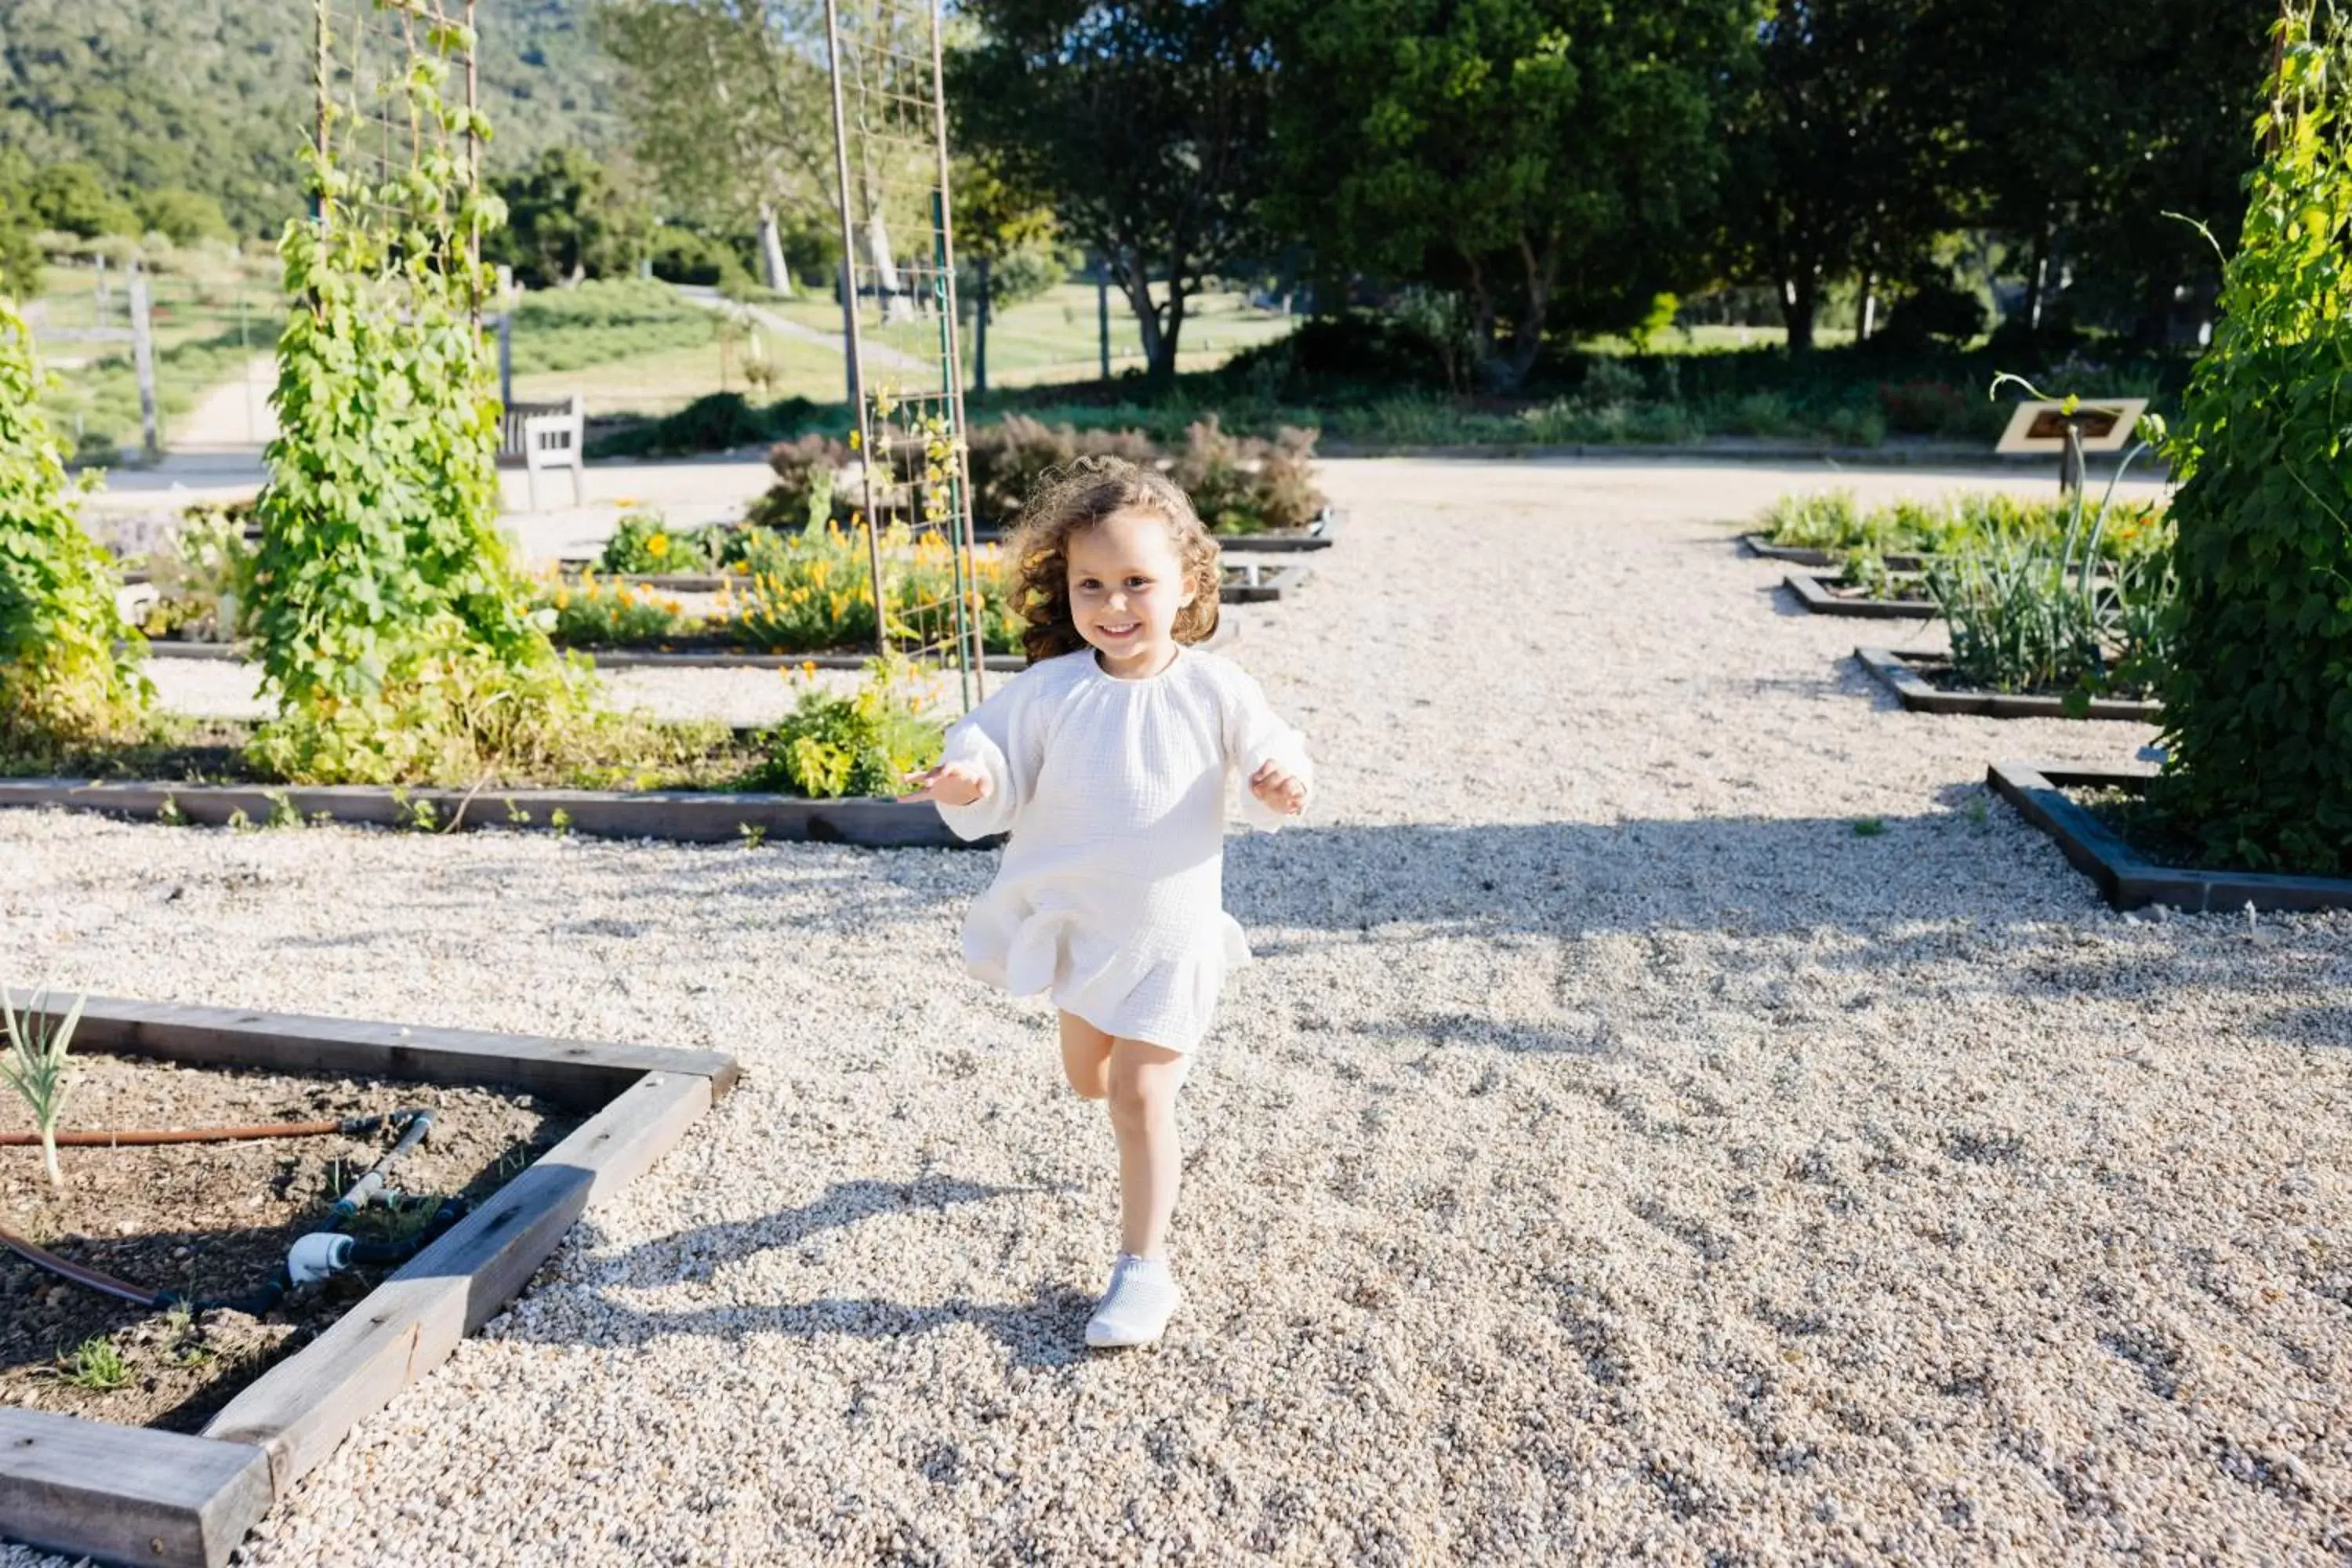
(69, 665)
(2258, 701)
(392, 627)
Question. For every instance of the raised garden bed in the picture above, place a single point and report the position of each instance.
(139, 1494)
(1821, 598)
(1922, 683)
(2043, 794)
(1806, 556)
(683, 817)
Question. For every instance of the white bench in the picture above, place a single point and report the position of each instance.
(543, 436)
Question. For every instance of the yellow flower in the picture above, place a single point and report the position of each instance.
(657, 545)
(563, 598)
(809, 670)
(852, 441)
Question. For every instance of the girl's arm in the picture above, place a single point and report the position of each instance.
(1256, 737)
(996, 743)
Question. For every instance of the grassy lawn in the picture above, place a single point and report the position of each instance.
(1054, 336)
(671, 379)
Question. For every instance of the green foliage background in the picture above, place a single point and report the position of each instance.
(211, 95)
(2259, 703)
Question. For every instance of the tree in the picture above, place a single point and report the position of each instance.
(998, 223)
(566, 221)
(185, 216)
(732, 111)
(1547, 158)
(1143, 125)
(1839, 155)
(2076, 127)
(74, 197)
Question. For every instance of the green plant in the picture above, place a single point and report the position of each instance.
(392, 632)
(94, 1364)
(70, 671)
(36, 1068)
(642, 543)
(169, 814)
(203, 578)
(863, 743)
(281, 810)
(753, 834)
(239, 822)
(1869, 826)
(2258, 696)
(594, 613)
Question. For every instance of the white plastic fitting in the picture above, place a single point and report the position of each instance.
(317, 1255)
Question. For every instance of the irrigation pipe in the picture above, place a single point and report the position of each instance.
(353, 1126)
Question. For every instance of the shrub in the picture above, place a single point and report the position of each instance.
(641, 543)
(808, 492)
(1010, 458)
(2258, 701)
(68, 666)
(863, 745)
(593, 613)
(1247, 485)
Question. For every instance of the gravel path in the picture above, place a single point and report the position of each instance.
(1614, 1156)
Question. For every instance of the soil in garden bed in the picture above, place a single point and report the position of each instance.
(215, 1220)
(2127, 813)
(1908, 593)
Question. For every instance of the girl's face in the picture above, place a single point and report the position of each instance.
(1127, 584)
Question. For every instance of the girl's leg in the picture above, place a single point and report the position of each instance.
(1143, 1083)
(1085, 1058)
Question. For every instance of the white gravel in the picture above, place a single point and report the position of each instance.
(1615, 1156)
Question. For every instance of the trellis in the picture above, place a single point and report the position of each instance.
(369, 126)
(898, 320)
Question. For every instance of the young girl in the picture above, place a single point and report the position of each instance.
(1109, 761)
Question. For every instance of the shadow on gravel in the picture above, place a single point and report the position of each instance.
(1045, 1331)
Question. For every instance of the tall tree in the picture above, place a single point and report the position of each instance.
(1839, 154)
(2085, 123)
(1547, 158)
(1142, 122)
(566, 221)
(732, 111)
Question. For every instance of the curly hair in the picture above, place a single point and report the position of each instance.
(1077, 498)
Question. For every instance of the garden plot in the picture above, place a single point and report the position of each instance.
(1676, 1111)
(378, 1282)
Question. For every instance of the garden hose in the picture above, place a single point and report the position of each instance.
(351, 1126)
(88, 1278)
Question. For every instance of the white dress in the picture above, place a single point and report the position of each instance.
(1112, 893)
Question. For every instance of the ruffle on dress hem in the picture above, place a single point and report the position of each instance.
(1166, 1000)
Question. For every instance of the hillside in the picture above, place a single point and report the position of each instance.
(213, 95)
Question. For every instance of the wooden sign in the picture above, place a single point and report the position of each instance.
(2105, 426)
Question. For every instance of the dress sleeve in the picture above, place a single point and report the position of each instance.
(1000, 740)
(1254, 737)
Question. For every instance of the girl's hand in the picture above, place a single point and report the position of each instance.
(1278, 791)
(949, 784)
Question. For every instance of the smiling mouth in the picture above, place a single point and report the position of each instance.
(1128, 629)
